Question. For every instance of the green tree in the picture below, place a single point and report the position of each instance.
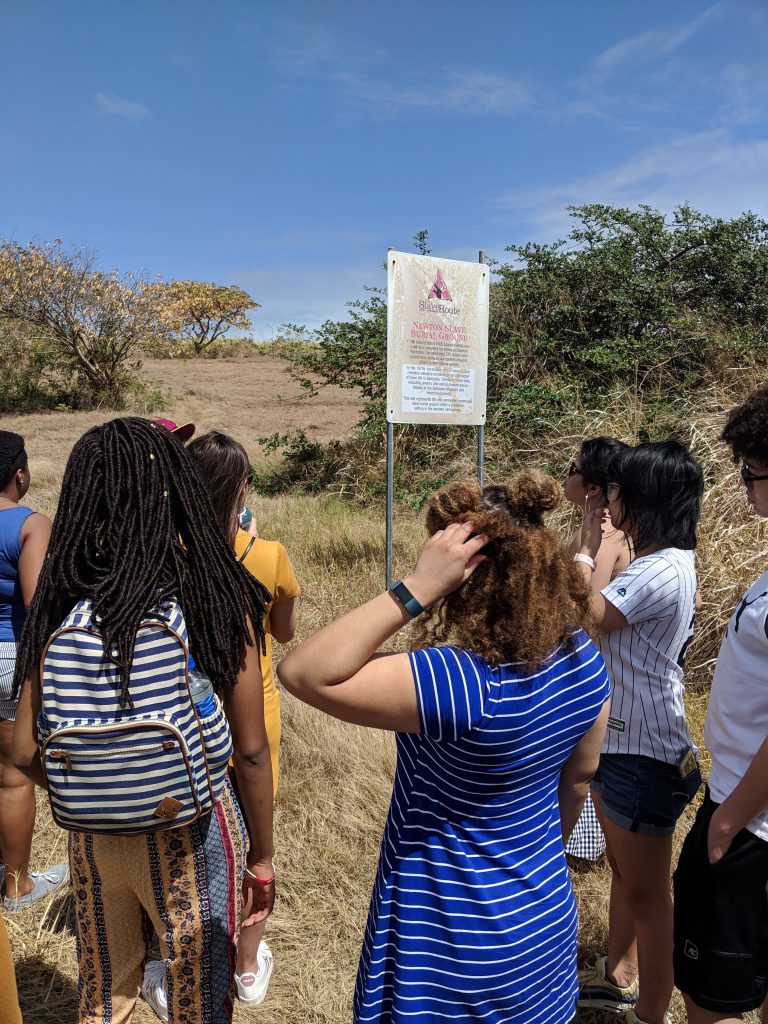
(630, 300)
(630, 291)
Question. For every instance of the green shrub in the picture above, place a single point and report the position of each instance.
(633, 310)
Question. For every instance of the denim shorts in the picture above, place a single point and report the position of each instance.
(642, 794)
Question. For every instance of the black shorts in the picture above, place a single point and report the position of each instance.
(721, 920)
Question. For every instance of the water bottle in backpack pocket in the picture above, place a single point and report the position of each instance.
(158, 763)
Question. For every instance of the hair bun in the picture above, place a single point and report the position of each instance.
(456, 503)
(530, 494)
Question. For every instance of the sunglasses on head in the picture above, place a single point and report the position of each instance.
(749, 477)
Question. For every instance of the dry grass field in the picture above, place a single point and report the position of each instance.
(335, 779)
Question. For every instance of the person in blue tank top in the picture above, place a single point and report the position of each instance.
(499, 721)
(23, 541)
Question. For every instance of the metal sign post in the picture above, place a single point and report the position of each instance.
(437, 351)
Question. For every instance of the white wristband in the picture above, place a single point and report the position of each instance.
(586, 560)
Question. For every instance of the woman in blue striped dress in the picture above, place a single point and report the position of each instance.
(472, 916)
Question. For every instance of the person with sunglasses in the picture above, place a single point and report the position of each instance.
(721, 907)
(585, 486)
(648, 770)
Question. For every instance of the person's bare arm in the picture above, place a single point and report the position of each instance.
(606, 559)
(338, 670)
(244, 706)
(748, 799)
(578, 770)
(25, 750)
(606, 617)
(282, 621)
(35, 534)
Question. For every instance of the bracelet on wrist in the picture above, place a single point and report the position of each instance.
(261, 881)
(586, 559)
(404, 597)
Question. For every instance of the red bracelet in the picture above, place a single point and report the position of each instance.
(261, 881)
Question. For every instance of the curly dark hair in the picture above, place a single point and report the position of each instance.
(746, 429)
(134, 526)
(528, 596)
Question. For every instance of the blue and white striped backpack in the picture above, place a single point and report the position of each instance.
(156, 765)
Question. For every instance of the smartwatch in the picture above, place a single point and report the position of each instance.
(402, 594)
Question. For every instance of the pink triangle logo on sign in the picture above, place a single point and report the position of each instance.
(440, 289)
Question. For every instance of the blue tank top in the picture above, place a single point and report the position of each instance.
(13, 614)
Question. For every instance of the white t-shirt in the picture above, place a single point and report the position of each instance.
(657, 596)
(737, 717)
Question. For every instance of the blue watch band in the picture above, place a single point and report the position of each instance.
(403, 595)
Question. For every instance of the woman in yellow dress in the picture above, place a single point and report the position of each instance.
(226, 472)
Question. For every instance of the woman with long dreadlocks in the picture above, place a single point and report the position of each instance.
(135, 532)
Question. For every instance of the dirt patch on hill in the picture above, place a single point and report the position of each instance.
(248, 398)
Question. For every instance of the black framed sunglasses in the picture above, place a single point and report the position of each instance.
(749, 477)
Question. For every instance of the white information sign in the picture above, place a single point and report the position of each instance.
(437, 339)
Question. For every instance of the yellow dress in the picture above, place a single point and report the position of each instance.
(268, 561)
(9, 1003)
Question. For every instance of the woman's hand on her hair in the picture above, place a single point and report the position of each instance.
(446, 561)
(592, 531)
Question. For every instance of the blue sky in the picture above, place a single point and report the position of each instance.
(283, 146)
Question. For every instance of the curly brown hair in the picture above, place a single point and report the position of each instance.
(746, 429)
(528, 596)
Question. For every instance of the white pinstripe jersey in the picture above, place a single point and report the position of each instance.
(737, 717)
(657, 595)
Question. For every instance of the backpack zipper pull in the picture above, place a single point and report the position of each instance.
(64, 756)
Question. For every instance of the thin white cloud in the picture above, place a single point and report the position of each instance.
(711, 170)
(373, 78)
(744, 92)
(648, 46)
(463, 92)
(116, 106)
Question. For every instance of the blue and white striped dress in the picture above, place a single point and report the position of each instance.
(472, 916)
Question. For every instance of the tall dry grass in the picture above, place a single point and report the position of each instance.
(335, 778)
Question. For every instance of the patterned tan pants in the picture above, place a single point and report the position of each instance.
(183, 884)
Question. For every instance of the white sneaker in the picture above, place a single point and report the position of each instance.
(251, 988)
(153, 988)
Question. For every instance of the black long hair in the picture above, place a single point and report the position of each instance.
(660, 488)
(598, 456)
(134, 527)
